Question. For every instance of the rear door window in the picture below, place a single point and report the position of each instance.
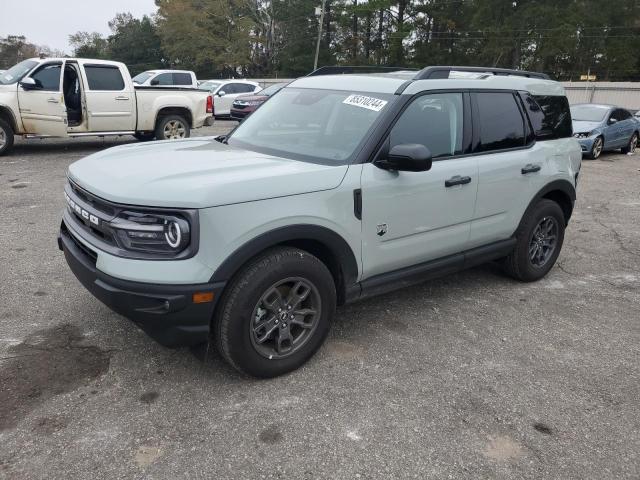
(104, 77)
(181, 79)
(47, 77)
(163, 79)
(500, 121)
(550, 115)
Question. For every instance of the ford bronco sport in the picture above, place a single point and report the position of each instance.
(335, 189)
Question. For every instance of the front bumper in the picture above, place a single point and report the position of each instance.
(166, 313)
(586, 143)
(241, 114)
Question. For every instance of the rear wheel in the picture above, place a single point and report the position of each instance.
(172, 127)
(633, 143)
(6, 137)
(596, 148)
(539, 240)
(275, 313)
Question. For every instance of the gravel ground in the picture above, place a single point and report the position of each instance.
(470, 376)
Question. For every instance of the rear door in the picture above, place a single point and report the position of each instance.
(182, 79)
(511, 166)
(414, 217)
(42, 109)
(110, 98)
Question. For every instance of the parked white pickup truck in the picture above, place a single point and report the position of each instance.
(74, 97)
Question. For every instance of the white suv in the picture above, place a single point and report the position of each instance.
(226, 91)
(335, 189)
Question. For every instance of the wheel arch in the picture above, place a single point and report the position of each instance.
(7, 115)
(182, 111)
(560, 191)
(330, 247)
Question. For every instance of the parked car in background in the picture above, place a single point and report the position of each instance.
(244, 105)
(604, 127)
(166, 78)
(79, 97)
(226, 91)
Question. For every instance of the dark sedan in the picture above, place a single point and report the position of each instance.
(245, 105)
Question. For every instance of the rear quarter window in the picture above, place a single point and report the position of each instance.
(104, 77)
(550, 115)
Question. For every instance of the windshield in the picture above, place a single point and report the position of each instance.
(588, 113)
(142, 77)
(270, 90)
(15, 73)
(319, 126)
(209, 86)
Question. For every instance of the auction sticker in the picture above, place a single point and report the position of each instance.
(370, 103)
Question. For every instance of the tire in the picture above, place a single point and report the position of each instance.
(172, 127)
(633, 143)
(519, 264)
(596, 148)
(244, 317)
(6, 137)
(145, 137)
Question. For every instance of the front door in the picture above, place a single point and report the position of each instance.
(413, 217)
(111, 101)
(231, 92)
(42, 107)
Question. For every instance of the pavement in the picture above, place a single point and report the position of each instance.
(470, 376)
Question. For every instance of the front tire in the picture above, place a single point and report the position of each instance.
(6, 137)
(633, 143)
(596, 148)
(539, 240)
(172, 127)
(275, 313)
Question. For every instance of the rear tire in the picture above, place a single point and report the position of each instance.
(172, 127)
(633, 143)
(596, 148)
(264, 326)
(6, 137)
(539, 241)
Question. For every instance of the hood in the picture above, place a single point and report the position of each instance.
(197, 173)
(581, 126)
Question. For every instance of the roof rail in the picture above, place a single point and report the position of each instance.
(443, 72)
(338, 69)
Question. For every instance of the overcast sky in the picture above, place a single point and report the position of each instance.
(50, 22)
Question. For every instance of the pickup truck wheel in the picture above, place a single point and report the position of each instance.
(6, 137)
(172, 127)
(275, 313)
(539, 240)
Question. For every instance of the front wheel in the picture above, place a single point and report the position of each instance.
(631, 146)
(6, 137)
(275, 313)
(539, 240)
(172, 127)
(596, 148)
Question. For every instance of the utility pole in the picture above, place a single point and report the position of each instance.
(321, 12)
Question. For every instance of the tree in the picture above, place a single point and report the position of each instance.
(89, 45)
(14, 49)
(135, 42)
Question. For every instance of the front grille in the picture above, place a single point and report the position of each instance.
(90, 215)
(92, 200)
(87, 252)
(239, 107)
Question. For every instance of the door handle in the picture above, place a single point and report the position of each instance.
(457, 180)
(530, 168)
(52, 100)
(122, 97)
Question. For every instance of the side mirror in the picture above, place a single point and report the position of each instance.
(221, 93)
(28, 83)
(612, 121)
(155, 82)
(407, 157)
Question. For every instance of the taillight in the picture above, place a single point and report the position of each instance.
(209, 104)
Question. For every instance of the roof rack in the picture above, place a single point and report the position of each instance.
(443, 72)
(337, 70)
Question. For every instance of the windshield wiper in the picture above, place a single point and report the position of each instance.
(222, 139)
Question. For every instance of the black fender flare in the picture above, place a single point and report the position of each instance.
(564, 187)
(337, 246)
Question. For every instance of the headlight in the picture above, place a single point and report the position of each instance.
(583, 134)
(151, 232)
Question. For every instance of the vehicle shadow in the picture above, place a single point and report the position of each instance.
(53, 146)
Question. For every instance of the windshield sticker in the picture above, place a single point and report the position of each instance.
(370, 103)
